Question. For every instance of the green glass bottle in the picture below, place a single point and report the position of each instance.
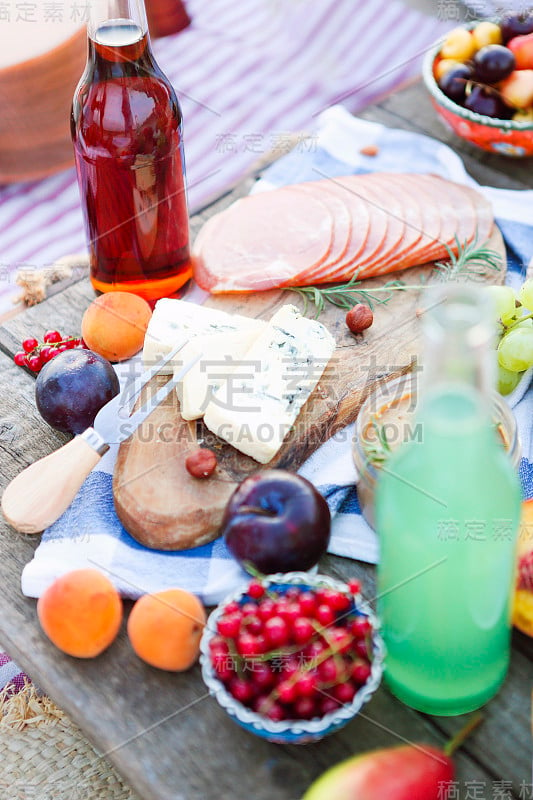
(447, 514)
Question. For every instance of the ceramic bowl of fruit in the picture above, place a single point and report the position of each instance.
(292, 657)
(480, 79)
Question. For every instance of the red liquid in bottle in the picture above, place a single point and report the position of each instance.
(127, 134)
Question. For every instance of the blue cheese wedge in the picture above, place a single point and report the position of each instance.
(220, 356)
(256, 406)
(174, 320)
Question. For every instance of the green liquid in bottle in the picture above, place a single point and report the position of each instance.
(447, 513)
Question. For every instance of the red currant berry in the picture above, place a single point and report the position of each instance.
(292, 612)
(34, 363)
(328, 705)
(20, 359)
(248, 608)
(221, 661)
(354, 586)
(232, 607)
(52, 337)
(248, 645)
(276, 631)
(241, 689)
(305, 708)
(314, 651)
(302, 630)
(71, 343)
(286, 691)
(262, 675)
(361, 672)
(344, 692)
(306, 685)
(229, 625)
(29, 344)
(307, 604)
(361, 648)
(253, 624)
(329, 670)
(340, 639)
(341, 602)
(61, 348)
(291, 666)
(325, 614)
(217, 644)
(45, 353)
(361, 627)
(269, 708)
(322, 595)
(266, 609)
(256, 590)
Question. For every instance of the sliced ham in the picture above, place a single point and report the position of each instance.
(327, 231)
(262, 240)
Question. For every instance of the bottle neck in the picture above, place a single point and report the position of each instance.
(116, 24)
(459, 342)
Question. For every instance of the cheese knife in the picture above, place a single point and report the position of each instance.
(38, 496)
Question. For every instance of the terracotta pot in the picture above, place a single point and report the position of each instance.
(35, 98)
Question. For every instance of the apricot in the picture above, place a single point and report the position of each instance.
(81, 612)
(165, 629)
(114, 325)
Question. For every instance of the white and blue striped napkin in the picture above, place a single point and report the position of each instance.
(89, 533)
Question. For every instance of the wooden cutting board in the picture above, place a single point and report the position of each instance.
(157, 500)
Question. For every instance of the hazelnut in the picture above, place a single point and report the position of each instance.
(201, 464)
(359, 318)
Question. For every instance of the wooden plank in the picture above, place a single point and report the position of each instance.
(158, 728)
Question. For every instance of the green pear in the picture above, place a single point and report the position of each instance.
(408, 772)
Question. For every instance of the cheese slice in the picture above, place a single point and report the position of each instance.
(174, 320)
(220, 356)
(256, 407)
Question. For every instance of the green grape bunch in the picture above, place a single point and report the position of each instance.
(514, 312)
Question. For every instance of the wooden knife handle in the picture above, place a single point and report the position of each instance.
(43, 491)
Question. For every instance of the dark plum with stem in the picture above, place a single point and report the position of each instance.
(493, 63)
(455, 81)
(277, 522)
(72, 388)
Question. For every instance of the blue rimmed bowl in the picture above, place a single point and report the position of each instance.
(300, 731)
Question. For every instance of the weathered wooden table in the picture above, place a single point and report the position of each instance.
(162, 731)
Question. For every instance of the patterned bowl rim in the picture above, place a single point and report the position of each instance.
(465, 113)
(295, 727)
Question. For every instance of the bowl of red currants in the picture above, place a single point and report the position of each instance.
(292, 657)
(480, 79)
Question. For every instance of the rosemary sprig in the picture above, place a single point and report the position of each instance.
(379, 451)
(344, 295)
(471, 262)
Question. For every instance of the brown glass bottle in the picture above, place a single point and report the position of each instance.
(126, 129)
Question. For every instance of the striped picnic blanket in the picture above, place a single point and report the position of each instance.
(248, 75)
